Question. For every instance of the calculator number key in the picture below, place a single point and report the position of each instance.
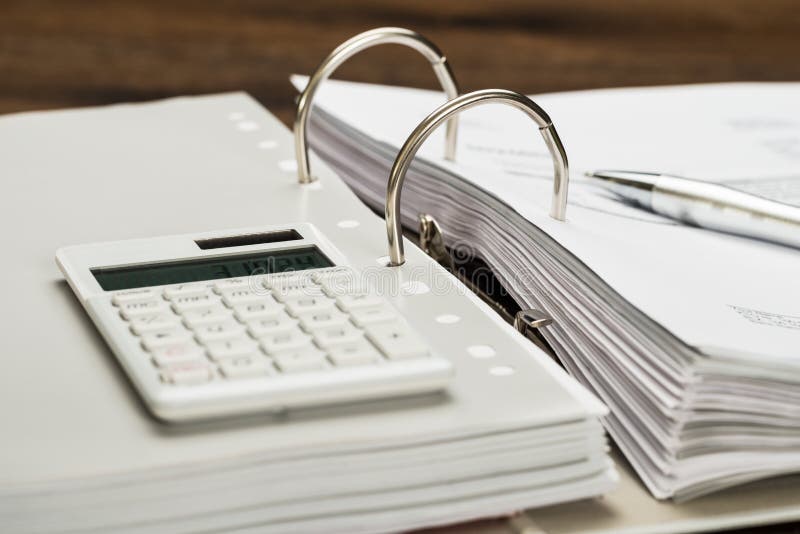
(308, 304)
(190, 373)
(157, 322)
(355, 301)
(217, 331)
(286, 341)
(396, 340)
(246, 366)
(322, 319)
(178, 354)
(157, 340)
(264, 309)
(259, 328)
(360, 352)
(337, 335)
(364, 316)
(299, 360)
(205, 316)
(231, 348)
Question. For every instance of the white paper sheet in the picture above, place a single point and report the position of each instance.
(689, 336)
(743, 294)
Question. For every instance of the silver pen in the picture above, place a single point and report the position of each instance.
(707, 205)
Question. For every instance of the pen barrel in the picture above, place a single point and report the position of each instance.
(722, 208)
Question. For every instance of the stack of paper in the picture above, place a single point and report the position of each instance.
(691, 337)
(332, 485)
(79, 452)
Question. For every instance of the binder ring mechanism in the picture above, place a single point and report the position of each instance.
(348, 49)
(558, 207)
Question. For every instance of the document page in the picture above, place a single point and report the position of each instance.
(724, 295)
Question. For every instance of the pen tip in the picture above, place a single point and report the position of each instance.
(604, 174)
(639, 180)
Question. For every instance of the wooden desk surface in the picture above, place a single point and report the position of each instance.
(81, 53)
(57, 54)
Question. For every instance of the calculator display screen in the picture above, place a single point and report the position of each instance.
(178, 272)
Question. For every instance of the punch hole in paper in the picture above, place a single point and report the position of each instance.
(287, 165)
(247, 126)
(501, 370)
(267, 144)
(481, 351)
(414, 287)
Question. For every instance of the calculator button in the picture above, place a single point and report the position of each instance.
(189, 373)
(229, 348)
(185, 290)
(204, 316)
(288, 281)
(357, 353)
(246, 366)
(296, 361)
(309, 291)
(239, 296)
(373, 314)
(137, 309)
(293, 287)
(137, 295)
(273, 325)
(231, 283)
(337, 335)
(396, 340)
(154, 323)
(167, 356)
(358, 300)
(217, 331)
(342, 284)
(321, 275)
(322, 319)
(157, 340)
(307, 304)
(264, 309)
(286, 341)
(194, 302)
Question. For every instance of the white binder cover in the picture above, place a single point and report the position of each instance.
(73, 430)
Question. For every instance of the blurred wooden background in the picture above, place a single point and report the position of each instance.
(80, 53)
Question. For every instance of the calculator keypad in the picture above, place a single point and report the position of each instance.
(263, 327)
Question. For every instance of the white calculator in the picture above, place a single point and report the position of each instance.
(211, 325)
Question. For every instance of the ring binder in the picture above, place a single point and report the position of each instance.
(444, 112)
(351, 47)
(528, 322)
(431, 241)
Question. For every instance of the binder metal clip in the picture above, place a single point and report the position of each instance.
(445, 112)
(346, 50)
(431, 241)
(529, 323)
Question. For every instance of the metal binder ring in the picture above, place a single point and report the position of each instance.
(351, 47)
(558, 208)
